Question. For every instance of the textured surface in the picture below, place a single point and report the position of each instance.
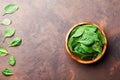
(43, 25)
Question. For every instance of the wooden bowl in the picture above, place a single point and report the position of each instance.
(78, 59)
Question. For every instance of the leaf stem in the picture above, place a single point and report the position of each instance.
(4, 39)
(3, 13)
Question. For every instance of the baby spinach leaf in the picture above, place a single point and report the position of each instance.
(7, 72)
(12, 61)
(3, 51)
(78, 32)
(15, 42)
(87, 57)
(96, 47)
(70, 43)
(9, 32)
(10, 9)
(101, 37)
(89, 38)
(87, 49)
(90, 27)
(6, 22)
(78, 49)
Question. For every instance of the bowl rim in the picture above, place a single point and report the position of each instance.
(78, 59)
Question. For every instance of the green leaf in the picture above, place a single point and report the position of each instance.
(73, 31)
(70, 40)
(12, 61)
(15, 42)
(89, 38)
(9, 32)
(96, 47)
(10, 9)
(87, 49)
(7, 72)
(100, 36)
(3, 51)
(78, 49)
(90, 27)
(6, 22)
(78, 32)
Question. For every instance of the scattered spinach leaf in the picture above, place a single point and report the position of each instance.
(9, 32)
(3, 51)
(15, 42)
(10, 9)
(12, 61)
(7, 72)
(6, 22)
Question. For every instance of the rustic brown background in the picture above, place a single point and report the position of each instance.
(43, 24)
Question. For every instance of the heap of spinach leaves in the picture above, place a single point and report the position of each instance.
(86, 41)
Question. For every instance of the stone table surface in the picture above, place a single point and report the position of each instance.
(43, 25)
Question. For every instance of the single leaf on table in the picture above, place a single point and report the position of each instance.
(9, 32)
(7, 72)
(15, 42)
(6, 22)
(12, 61)
(10, 9)
(3, 51)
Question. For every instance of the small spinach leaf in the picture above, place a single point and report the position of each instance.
(100, 36)
(7, 72)
(12, 61)
(15, 42)
(96, 47)
(78, 32)
(87, 49)
(3, 51)
(10, 9)
(89, 27)
(9, 32)
(6, 22)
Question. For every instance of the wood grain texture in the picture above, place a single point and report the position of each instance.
(43, 24)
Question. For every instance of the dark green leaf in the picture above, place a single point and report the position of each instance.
(7, 72)
(3, 51)
(70, 40)
(89, 38)
(15, 42)
(78, 49)
(12, 61)
(87, 49)
(96, 47)
(10, 9)
(78, 32)
(100, 36)
(6, 22)
(90, 27)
